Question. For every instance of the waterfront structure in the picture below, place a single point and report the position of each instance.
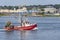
(50, 9)
(18, 10)
(58, 10)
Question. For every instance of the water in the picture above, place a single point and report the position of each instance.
(48, 29)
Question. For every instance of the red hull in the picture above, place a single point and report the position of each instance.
(23, 27)
(8, 29)
(27, 27)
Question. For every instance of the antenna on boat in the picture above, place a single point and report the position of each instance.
(20, 15)
(21, 19)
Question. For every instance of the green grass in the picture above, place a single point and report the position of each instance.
(2, 14)
(51, 15)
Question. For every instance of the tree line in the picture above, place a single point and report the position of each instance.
(30, 6)
(9, 7)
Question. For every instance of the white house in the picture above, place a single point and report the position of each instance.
(58, 10)
(24, 9)
(50, 9)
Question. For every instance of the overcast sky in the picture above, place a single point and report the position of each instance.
(28, 2)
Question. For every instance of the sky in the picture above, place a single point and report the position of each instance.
(28, 2)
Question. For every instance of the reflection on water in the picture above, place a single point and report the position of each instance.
(28, 35)
(23, 35)
(17, 35)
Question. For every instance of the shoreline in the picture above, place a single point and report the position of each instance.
(33, 15)
(9, 14)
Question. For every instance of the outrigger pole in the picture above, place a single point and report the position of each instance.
(21, 19)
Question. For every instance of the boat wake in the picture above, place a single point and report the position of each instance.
(2, 29)
(35, 28)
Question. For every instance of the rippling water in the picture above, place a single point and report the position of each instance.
(48, 29)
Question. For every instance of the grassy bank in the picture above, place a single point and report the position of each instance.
(8, 14)
(44, 15)
(50, 15)
(2, 15)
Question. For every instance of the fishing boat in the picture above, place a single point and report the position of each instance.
(25, 25)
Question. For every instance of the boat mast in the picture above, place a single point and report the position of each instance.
(21, 19)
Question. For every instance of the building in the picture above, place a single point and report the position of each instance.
(50, 9)
(18, 10)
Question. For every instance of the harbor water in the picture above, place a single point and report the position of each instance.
(48, 29)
